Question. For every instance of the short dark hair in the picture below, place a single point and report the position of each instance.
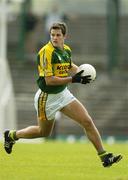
(62, 26)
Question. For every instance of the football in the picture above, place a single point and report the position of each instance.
(88, 70)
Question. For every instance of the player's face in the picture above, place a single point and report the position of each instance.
(57, 38)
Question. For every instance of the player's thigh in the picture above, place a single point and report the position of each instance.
(76, 111)
(46, 126)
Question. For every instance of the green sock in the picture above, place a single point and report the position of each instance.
(12, 135)
(101, 155)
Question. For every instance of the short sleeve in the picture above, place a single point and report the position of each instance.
(47, 65)
(44, 63)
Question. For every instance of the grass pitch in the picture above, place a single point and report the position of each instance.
(55, 160)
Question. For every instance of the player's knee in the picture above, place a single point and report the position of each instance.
(87, 122)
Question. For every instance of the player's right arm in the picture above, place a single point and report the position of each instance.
(54, 80)
(45, 70)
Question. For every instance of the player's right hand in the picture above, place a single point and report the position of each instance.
(77, 78)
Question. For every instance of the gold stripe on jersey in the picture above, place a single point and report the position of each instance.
(41, 106)
(61, 69)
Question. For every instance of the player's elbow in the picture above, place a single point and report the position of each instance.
(49, 80)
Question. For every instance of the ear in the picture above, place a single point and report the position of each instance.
(66, 36)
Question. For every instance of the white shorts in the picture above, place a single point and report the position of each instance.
(47, 105)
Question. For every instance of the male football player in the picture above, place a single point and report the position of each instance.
(56, 70)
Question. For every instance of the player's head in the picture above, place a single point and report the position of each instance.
(59, 26)
(58, 32)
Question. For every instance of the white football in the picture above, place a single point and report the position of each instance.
(88, 70)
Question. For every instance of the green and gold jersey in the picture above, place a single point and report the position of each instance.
(53, 62)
